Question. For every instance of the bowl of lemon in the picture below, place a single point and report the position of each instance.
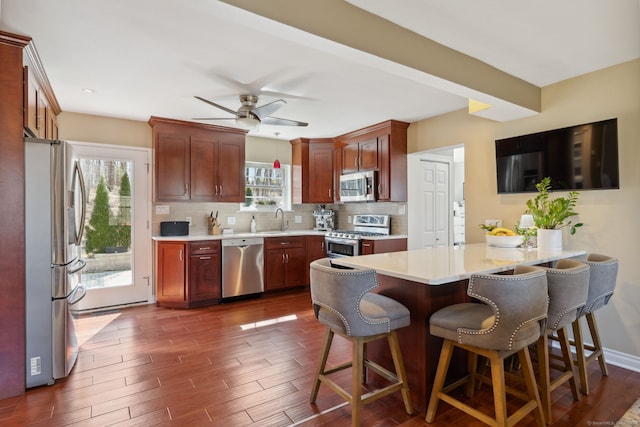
(503, 238)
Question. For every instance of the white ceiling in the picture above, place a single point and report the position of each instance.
(150, 57)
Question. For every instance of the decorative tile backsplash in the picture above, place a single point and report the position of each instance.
(266, 220)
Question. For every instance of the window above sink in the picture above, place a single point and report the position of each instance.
(266, 188)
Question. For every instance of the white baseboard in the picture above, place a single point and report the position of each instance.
(622, 360)
(615, 358)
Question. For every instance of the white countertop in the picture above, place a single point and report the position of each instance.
(436, 266)
(272, 233)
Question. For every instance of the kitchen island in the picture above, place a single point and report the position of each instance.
(426, 280)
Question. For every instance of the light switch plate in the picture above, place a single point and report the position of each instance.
(298, 219)
(231, 220)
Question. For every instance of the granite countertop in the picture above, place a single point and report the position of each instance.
(441, 265)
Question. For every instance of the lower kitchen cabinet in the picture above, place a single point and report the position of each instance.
(284, 262)
(188, 274)
(315, 250)
(378, 246)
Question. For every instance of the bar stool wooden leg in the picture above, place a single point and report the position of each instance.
(356, 380)
(326, 346)
(580, 356)
(597, 344)
(438, 382)
(499, 391)
(398, 364)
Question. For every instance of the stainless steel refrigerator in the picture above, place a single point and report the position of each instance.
(54, 224)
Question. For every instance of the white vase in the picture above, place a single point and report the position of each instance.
(549, 240)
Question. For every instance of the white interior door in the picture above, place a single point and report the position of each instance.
(117, 238)
(430, 202)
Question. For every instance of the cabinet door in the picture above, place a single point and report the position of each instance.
(203, 152)
(320, 173)
(368, 154)
(171, 272)
(315, 250)
(350, 158)
(231, 156)
(172, 160)
(204, 278)
(384, 169)
(274, 269)
(295, 264)
(369, 247)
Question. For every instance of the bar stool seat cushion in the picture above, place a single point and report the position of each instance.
(471, 323)
(380, 313)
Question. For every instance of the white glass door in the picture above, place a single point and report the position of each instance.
(117, 238)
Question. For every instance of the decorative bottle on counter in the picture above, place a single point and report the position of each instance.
(253, 224)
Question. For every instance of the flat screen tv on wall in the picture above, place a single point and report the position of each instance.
(582, 157)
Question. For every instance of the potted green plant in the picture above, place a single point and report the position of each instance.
(551, 215)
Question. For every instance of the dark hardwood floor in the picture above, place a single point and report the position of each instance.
(246, 363)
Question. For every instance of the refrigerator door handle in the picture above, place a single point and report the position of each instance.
(74, 298)
(78, 172)
(82, 264)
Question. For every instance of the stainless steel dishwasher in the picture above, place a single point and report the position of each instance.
(242, 267)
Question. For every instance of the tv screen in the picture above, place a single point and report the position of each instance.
(582, 157)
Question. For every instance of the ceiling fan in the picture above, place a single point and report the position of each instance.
(249, 116)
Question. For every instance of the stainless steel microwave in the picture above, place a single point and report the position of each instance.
(358, 187)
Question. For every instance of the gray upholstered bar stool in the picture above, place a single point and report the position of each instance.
(602, 283)
(568, 287)
(343, 302)
(509, 317)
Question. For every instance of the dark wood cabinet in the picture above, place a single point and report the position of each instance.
(315, 250)
(378, 246)
(382, 148)
(360, 156)
(188, 274)
(205, 281)
(196, 162)
(172, 274)
(284, 262)
(313, 177)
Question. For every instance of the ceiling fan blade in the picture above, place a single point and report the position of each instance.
(282, 122)
(267, 109)
(213, 118)
(228, 110)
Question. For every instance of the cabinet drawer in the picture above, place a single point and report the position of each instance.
(204, 247)
(284, 242)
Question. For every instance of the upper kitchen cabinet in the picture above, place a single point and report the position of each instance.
(313, 179)
(197, 162)
(382, 148)
(40, 105)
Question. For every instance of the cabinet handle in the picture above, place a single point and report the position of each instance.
(330, 192)
(368, 245)
(356, 161)
(283, 259)
(323, 246)
(379, 188)
(220, 194)
(285, 243)
(186, 189)
(205, 257)
(287, 258)
(203, 249)
(180, 254)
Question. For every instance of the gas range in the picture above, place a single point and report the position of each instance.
(347, 242)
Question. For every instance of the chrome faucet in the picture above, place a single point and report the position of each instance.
(283, 224)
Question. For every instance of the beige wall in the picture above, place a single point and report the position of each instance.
(104, 130)
(610, 216)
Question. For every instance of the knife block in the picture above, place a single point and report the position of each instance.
(214, 226)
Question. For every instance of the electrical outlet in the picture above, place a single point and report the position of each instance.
(298, 219)
(189, 220)
(36, 366)
(162, 210)
(231, 220)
